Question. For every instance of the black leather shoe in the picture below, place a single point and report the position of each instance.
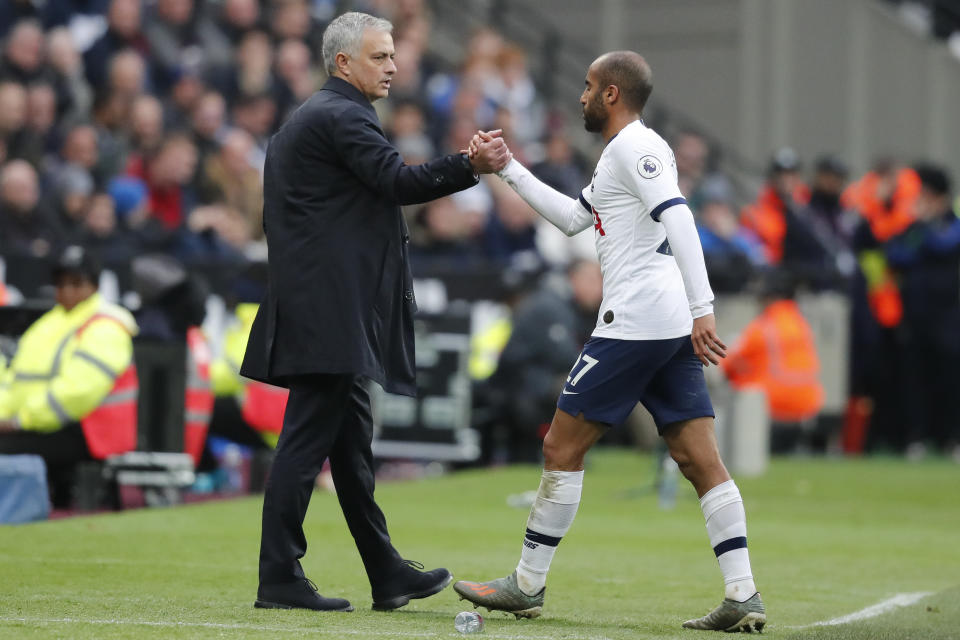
(408, 582)
(299, 594)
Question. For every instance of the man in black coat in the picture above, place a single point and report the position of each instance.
(339, 309)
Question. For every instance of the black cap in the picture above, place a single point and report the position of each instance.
(785, 159)
(833, 165)
(77, 260)
(934, 179)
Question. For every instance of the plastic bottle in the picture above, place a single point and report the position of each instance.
(667, 486)
(468, 622)
(232, 459)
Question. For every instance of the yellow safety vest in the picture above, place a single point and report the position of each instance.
(58, 376)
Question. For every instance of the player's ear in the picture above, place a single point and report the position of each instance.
(611, 93)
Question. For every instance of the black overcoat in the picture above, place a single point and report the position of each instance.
(340, 295)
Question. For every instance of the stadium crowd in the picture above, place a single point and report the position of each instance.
(133, 128)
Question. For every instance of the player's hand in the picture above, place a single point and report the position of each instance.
(491, 154)
(706, 342)
(474, 145)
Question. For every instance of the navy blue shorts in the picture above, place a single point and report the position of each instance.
(611, 376)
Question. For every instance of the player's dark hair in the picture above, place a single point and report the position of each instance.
(630, 73)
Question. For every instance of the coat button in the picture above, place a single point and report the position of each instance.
(408, 295)
(438, 179)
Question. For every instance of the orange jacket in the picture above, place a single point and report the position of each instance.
(776, 353)
(112, 427)
(198, 403)
(887, 218)
(766, 218)
(3, 294)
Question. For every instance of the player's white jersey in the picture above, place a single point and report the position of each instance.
(643, 294)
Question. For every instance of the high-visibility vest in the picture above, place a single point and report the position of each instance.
(3, 294)
(887, 218)
(767, 218)
(263, 406)
(111, 428)
(777, 353)
(198, 400)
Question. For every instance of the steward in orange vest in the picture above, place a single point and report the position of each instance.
(776, 353)
(767, 217)
(70, 392)
(198, 403)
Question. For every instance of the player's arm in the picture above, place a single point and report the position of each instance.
(685, 243)
(569, 215)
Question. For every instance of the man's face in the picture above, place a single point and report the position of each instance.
(72, 289)
(594, 111)
(372, 68)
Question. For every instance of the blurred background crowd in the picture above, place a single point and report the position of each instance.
(138, 128)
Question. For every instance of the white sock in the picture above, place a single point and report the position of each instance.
(727, 527)
(550, 517)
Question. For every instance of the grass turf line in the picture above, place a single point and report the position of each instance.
(827, 538)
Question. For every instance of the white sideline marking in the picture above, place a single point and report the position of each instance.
(899, 600)
(256, 627)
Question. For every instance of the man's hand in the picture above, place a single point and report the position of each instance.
(488, 153)
(8, 425)
(706, 342)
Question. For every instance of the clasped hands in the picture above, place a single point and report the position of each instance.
(487, 151)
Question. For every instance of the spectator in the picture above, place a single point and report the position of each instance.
(18, 140)
(66, 68)
(550, 327)
(292, 20)
(27, 228)
(41, 120)
(132, 209)
(237, 18)
(731, 252)
(884, 199)
(84, 409)
(509, 237)
(256, 114)
(72, 190)
(146, 129)
(124, 32)
(442, 235)
(23, 55)
(79, 150)
(208, 124)
(229, 178)
(101, 234)
(776, 353)
(560, 168)
(187, 89)
(111, 113)
(167, 172)
(784, 189)
(295, 76)
(832, 222)
(181, 37)
(127, 74)
(691, 153)
(927, 259)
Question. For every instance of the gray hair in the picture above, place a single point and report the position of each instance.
(345, 33)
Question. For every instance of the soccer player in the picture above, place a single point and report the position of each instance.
(654, 334)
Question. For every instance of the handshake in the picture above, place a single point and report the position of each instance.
(487, 152)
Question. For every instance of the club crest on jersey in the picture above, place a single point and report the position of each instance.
(649, 167)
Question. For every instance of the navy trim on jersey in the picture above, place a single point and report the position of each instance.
(542, 538)
(728, 545)
(665, 248)
(663, 206)
(586, 205)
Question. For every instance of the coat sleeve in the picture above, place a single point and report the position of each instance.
(371, 157)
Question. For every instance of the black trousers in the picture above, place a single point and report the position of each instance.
(327, 416)
(61, 450)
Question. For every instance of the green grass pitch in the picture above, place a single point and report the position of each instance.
(827, 538)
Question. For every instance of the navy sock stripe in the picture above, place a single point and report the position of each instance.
(542, 538)
(730, 545)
